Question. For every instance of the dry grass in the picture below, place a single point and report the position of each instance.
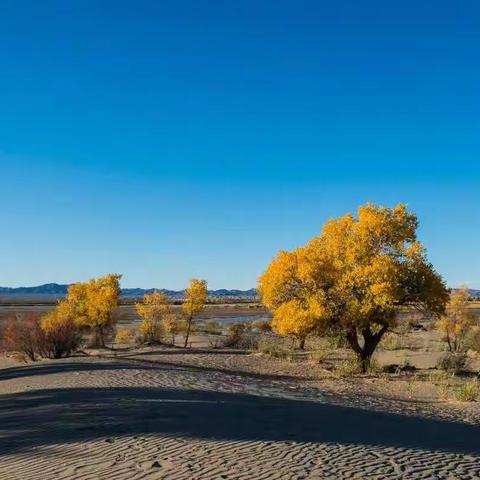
(469, 391)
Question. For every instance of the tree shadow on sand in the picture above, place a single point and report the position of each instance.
(45, 417)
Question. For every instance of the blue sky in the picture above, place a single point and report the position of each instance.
(165, 140)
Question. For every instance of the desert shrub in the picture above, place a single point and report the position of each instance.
(453, 362)
(348, 367)
(212, 327)
(318, 356)
(444, 390)
(263, 326)
(59, 335)
(443, 380)
(236, 329)
(54, 335)
(123, 336)
(469, 391)
(393, 341)
(22, 336)
(151, 331)
(240, 335)
(353, 366)
(411, 386)
(275, 347)
(473, 340)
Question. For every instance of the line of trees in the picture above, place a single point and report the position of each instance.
(89, 307)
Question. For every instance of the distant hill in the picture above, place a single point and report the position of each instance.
(47, 289)
(61, 290)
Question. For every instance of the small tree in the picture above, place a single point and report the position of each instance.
(458, 320)
(151, 311)
(172, 325)
(123, 336)
(195, 298)
(263, 326)
(94, 303)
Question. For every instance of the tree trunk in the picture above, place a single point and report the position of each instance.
(301, 345)
(187, 333)
(370, 343)
(173, 339)
(99, 336)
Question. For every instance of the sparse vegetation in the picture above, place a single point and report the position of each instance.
(240, 335)
(318, 356)
(453, 362)
(123, 336)
(263, 326)
(275, 347)
(348, 367)
(456, 324)
(469, 391)
(393, 341)
(22, 336)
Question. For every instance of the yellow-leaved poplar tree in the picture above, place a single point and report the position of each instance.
(172, 325)
(354, 276)
(152, 310)
(458, 320)
(94, 303)
(195, 297)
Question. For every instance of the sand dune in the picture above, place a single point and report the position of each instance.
(131, 418)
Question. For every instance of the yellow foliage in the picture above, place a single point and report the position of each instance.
(58, 318)
(172, 325)
(153, 308)
(123, 336)
(59, 334)
(195, 297)
(94, 302)
(458, 321)
(151, 331)
(295, 318)
(354, 275)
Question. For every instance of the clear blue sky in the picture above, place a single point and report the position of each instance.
(170, 139)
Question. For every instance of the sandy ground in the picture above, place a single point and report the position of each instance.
(170, 414)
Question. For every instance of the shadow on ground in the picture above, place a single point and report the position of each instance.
(45, 417)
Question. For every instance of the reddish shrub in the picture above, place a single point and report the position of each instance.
(22, 335)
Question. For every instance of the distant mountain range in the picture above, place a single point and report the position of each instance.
(54, 289)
